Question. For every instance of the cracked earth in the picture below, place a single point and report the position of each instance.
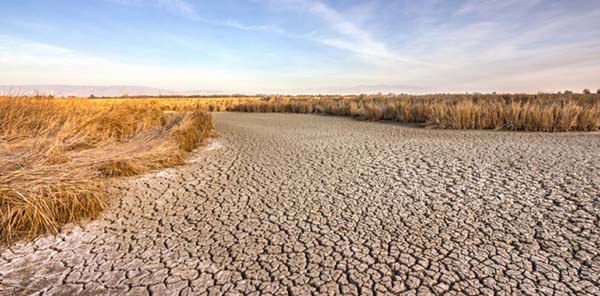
(300, 204)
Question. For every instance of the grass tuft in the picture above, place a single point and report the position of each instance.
(57, 154)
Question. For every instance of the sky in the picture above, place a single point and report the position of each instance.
(304, 46)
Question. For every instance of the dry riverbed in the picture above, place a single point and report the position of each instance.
(300, 204)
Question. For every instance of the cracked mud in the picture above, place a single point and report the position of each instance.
(301, 204)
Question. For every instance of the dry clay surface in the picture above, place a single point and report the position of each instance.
(301, 204)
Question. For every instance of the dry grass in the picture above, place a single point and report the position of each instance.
(541, 112)
(56, 154)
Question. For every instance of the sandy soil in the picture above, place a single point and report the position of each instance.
(301, 204)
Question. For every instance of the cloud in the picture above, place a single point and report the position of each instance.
(36, 63)
(179, 6)
(352, 38)
(348, 36)
(240, 26)
(24, 61)
(189, 11)
(494, 6)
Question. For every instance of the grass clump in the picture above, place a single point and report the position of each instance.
(56, 154)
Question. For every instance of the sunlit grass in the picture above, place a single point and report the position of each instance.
(56, 154)
(541, 112)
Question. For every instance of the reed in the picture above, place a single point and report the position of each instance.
(526, 112)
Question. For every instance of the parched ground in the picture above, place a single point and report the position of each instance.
(302, 204)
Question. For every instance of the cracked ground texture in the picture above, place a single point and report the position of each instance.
(301, 204)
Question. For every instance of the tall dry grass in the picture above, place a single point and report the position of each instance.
(540, 112)
(56, 154)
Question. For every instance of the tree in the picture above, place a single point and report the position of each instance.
(587, 91)
(598, 91)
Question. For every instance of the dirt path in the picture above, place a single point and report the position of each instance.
(312, 204)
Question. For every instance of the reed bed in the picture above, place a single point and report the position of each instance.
(525, 112)
(57, 154)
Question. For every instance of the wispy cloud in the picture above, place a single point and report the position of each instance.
(494, 6)
(189, 11)
(24, 61)
(349, 36)
(179, 6)
(231, 23)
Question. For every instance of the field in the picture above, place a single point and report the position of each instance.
(542, 112)
(57, 151)
(57, 154)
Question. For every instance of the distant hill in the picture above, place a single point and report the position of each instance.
(98, 91)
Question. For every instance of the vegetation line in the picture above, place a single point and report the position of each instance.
(541, 112)
(544, 112)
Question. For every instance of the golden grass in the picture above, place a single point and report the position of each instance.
(540, 112)
(56, 154)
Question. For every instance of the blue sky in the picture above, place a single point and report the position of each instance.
(303, 45)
